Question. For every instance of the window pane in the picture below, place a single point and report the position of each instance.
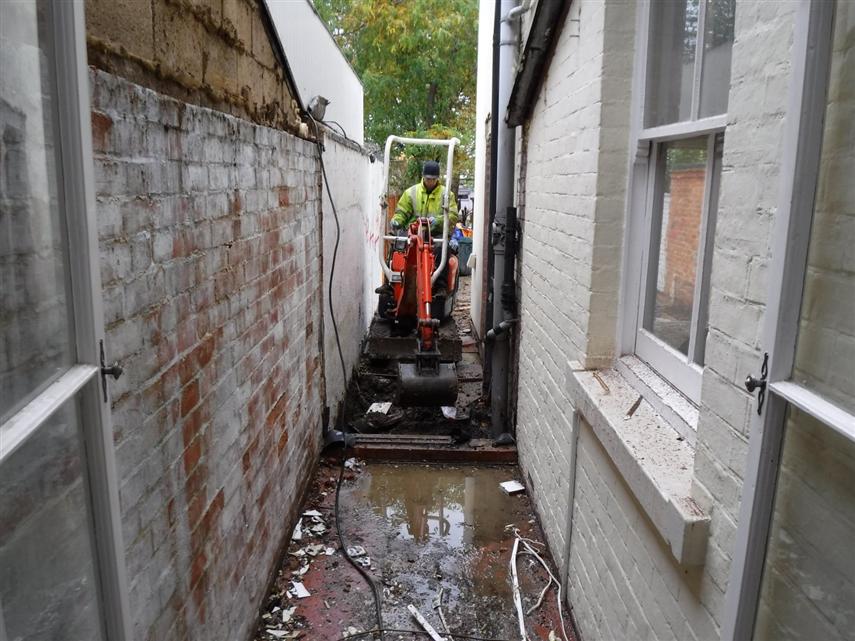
(47, 569)
(675, 240)
(808, 585)
(718, 42)
(671, 62)
(35, 343)
(825, 355)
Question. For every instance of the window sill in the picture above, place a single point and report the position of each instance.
(654, 458)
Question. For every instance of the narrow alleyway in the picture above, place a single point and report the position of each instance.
(438, 537)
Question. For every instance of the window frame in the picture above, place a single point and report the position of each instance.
(644, 182)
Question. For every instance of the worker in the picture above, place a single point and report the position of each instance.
(424, 199)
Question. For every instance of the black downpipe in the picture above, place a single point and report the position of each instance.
(491, 217)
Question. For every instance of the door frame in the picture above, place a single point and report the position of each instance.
(805, 119)
(81, 383)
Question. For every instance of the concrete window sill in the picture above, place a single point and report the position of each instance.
(654, 458)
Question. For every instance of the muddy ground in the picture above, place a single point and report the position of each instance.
(425, 530)
(375, 382)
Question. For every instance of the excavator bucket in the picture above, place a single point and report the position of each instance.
(427, 386)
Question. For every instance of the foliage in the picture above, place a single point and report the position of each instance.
(417, 62)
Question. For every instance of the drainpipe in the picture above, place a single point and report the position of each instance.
(503, 228)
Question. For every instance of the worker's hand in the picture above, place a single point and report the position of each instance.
(395, 225)
(431, 221)
(453, 244)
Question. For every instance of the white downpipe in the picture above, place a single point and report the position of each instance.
(451, 143)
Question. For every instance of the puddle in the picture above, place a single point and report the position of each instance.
(427, 530)
(432, 528)
(455, 507)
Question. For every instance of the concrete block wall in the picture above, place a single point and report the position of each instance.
(214, 53)
(210, 242)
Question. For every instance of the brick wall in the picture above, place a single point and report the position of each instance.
(623, 582)
(215, 53)
(575, 175)
(210, 240)
(681, 239)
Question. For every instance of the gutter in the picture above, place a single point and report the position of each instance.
(549, 17)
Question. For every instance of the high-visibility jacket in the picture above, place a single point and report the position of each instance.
(416, 202)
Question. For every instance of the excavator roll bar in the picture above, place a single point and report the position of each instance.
(451, 143)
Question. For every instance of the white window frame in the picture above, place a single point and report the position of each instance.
(812, 44)
(680, 370)
(80, 385)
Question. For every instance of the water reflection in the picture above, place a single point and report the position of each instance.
(457, 506)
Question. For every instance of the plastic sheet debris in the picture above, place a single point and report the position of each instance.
(379, 408)
(356, 551)
(313, 513)
(449, 412)
(512, 487)
(424, 623)
(299, 590)
(297, 534)
(351, 464)
(315, 550)
(288, 613)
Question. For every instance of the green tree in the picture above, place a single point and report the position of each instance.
(417, 62)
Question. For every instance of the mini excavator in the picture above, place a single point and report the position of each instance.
(413, 327)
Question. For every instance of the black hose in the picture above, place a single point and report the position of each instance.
(368, 578)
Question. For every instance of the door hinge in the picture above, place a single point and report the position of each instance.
(115, 370)
(752, 383)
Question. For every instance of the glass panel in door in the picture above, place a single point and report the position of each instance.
(35, 322)
(48, 587)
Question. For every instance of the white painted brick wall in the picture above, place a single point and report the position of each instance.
(624, 584)
(565, 225)
(355, 183)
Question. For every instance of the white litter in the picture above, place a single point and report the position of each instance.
(351, 463)
(279, 634)
(424, 623)
(379, 408)
(300, 590)
(297, 534)
(315, 550)
(320, 528)
(312, 513)
(512, 487)
(329, 551)
(355, 551)
(287, 614)
(449, 412)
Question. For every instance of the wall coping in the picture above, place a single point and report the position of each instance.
(655, 461)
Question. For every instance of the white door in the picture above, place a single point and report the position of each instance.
(61, 559)
(794, 557)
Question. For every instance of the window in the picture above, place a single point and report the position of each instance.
(685, 72)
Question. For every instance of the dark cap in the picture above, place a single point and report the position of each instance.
(430, 169)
